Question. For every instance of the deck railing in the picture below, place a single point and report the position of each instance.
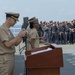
(21, 46)
(15, 31)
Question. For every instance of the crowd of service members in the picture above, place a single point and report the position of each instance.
(57, 32)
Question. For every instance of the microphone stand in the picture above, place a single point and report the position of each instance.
(25, 41)
(25, 24)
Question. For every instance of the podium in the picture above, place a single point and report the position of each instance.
(41, 62)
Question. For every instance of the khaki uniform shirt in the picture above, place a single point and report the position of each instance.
(32, 33)
(6, 35)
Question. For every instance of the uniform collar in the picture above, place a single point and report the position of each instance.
(5, 26)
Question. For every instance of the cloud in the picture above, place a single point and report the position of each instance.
(61, 12)
(4, 8)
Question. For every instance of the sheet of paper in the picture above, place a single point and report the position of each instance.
(55, 45)
(48, 49)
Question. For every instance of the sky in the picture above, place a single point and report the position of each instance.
(44, 10)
